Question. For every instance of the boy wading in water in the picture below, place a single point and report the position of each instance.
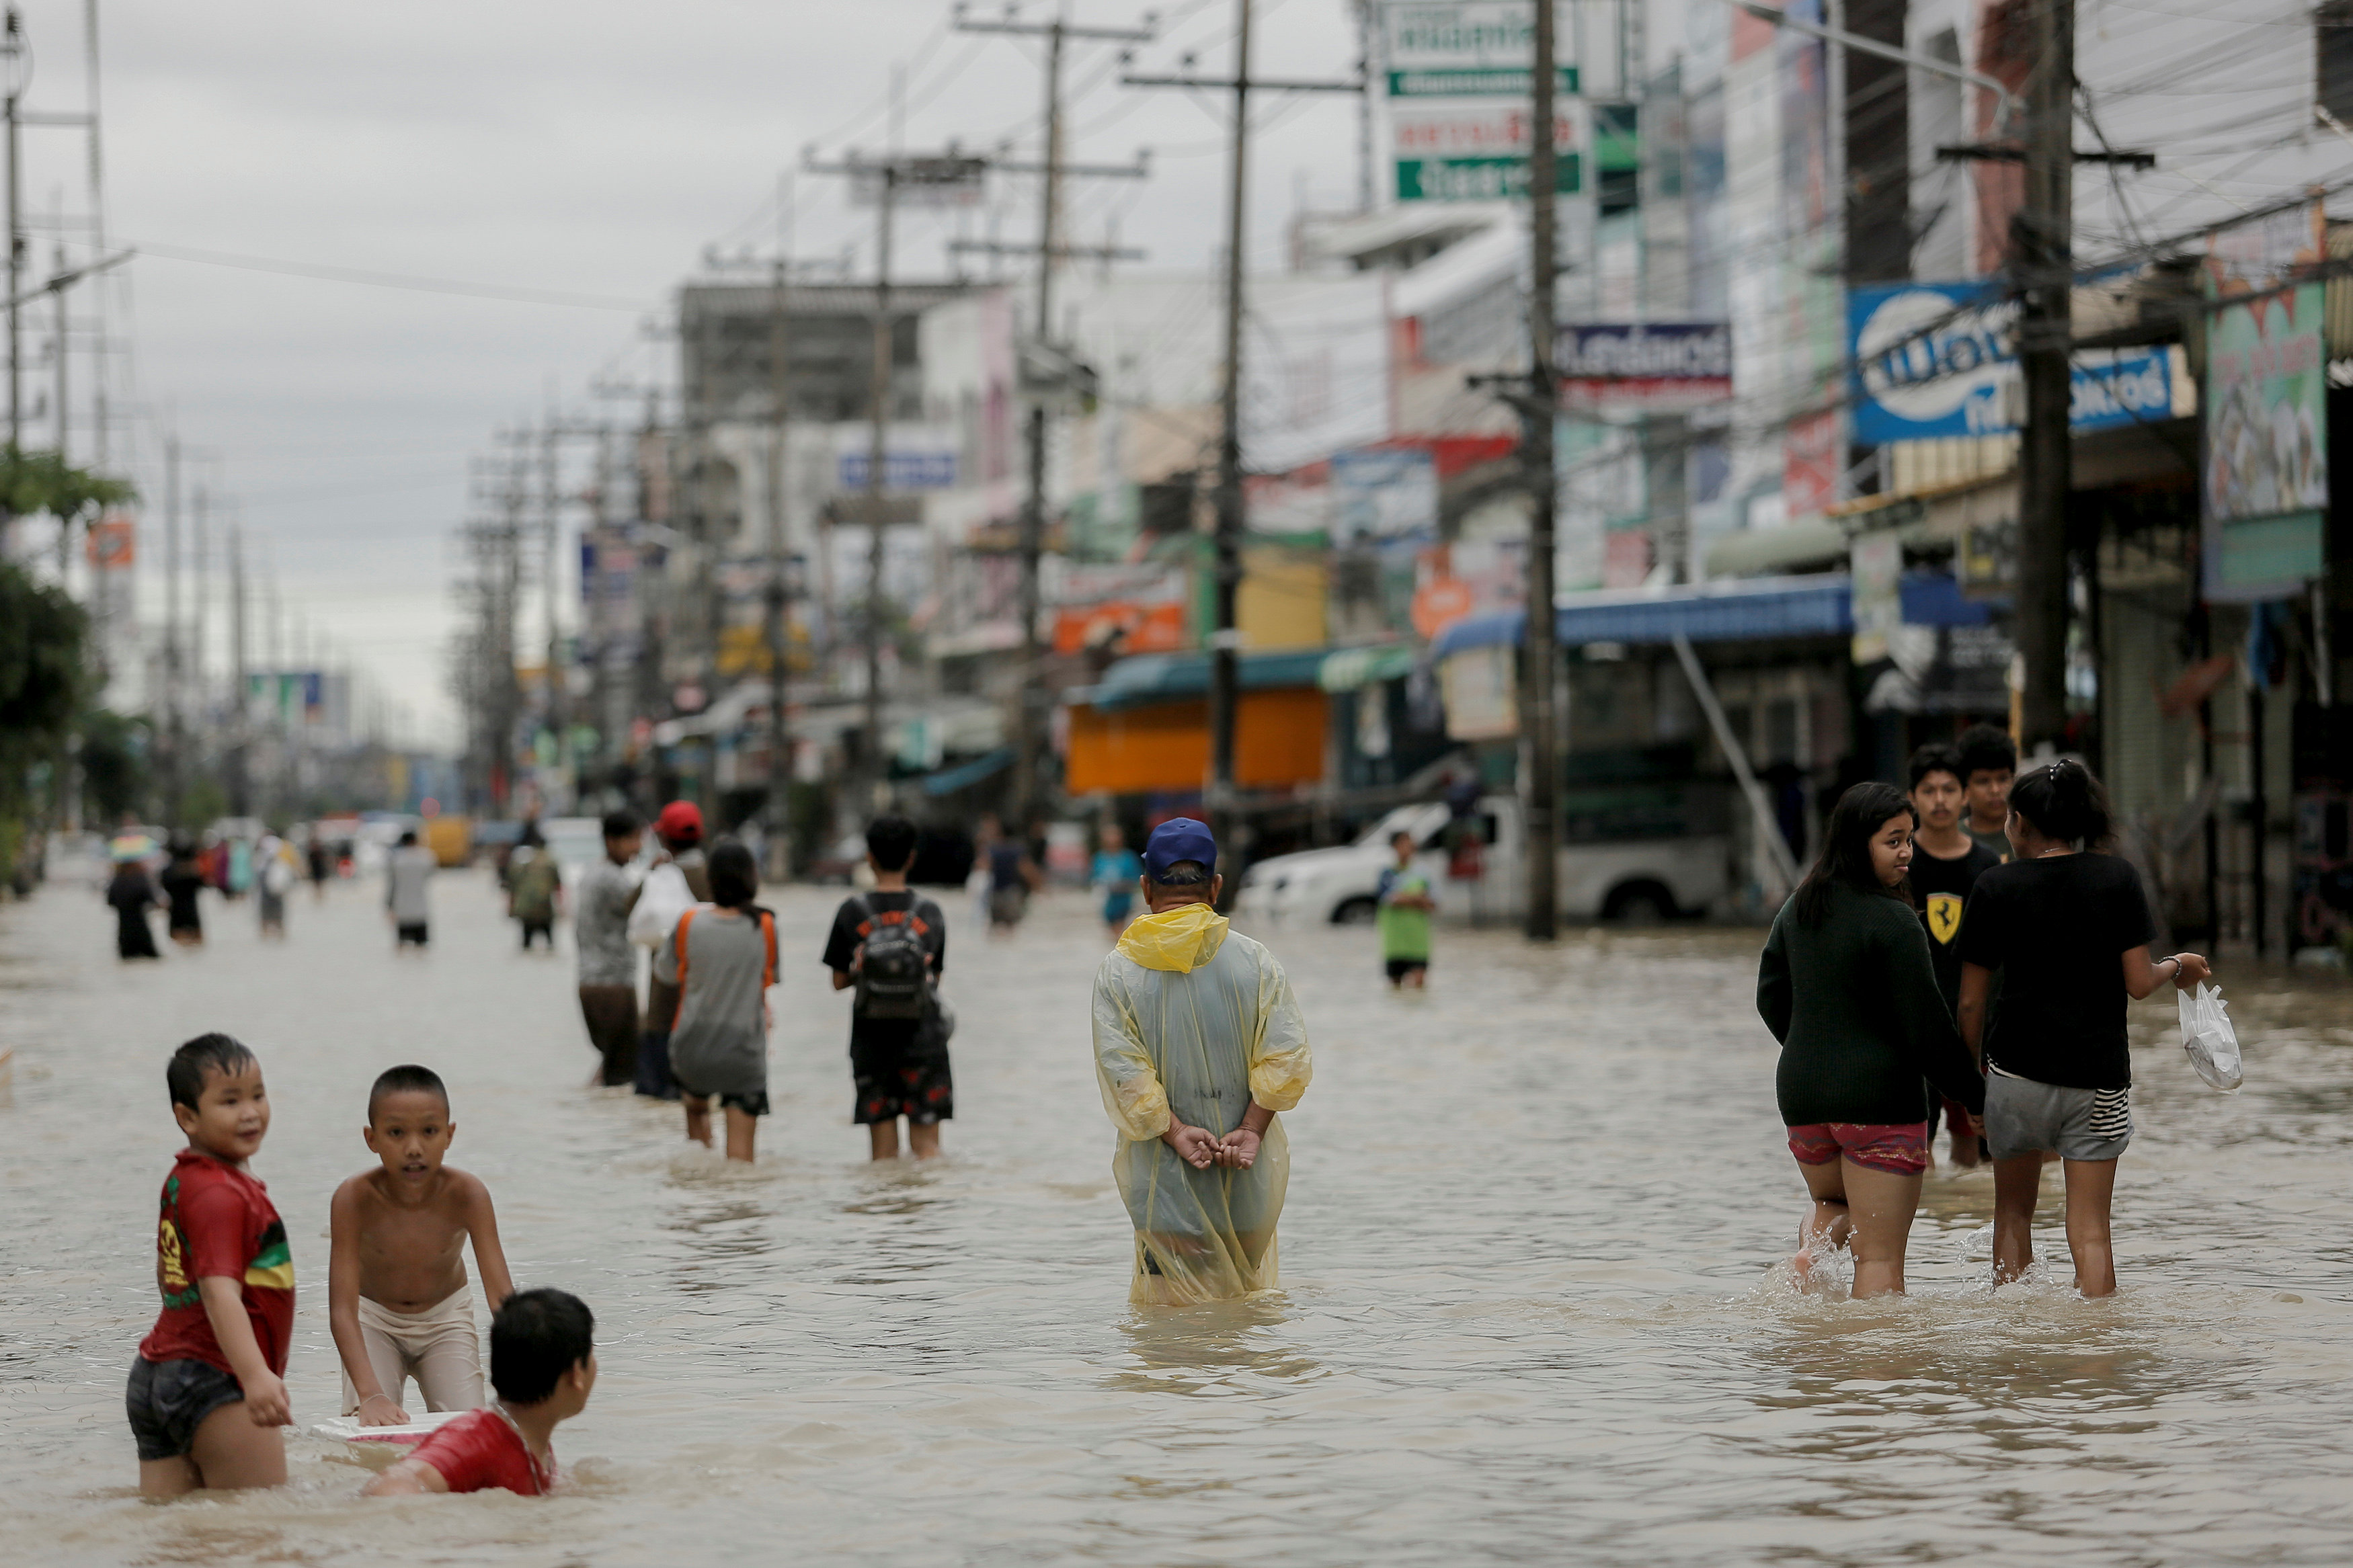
(543, 1363)
(1199, 1045)
(890, 945)
(1946, 864)
(206, 1397)
(1989, 763)
(396, 1297)
(1404, 910)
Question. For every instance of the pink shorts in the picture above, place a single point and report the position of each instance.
(1899, 1148)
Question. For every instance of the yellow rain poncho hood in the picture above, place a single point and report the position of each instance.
(1182, 939)
(1194, 1022)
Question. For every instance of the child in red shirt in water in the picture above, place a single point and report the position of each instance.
(206, 1398)
(543, 1364)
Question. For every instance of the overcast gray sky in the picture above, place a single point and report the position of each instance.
(585, 147)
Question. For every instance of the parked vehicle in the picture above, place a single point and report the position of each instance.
(1476, 867)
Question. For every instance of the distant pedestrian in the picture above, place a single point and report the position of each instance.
(1199, 1044)
(719, 961)
(608, 964)
(1115, 872)
(321, 865)
(2067, 928)
(407, 883)
(890, 945)
(183, 884)
(1013, 875)
(274, 877)
(133, 893)
(535, 888)
(678, 880)
(1989, 763)
(1402, 907)
(1846, 986)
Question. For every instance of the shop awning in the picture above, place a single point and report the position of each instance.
(1149, 678)
(1743, 610)
(1350, 668)
(947, 781)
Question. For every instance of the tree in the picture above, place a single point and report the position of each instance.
(42, 636)
(33, 482)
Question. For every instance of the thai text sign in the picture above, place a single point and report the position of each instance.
(2266, 477)
(1932, 360)
(1644, 364)
(1479, 151)
(1451, 48)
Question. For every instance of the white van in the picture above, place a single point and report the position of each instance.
(1639, 881)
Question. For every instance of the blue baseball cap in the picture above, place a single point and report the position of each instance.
(1179, 838)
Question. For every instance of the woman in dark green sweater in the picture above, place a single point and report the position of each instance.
(1847, 987)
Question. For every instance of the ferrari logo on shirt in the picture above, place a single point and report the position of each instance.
(1944, 917)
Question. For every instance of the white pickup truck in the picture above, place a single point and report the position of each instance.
(1637, 881)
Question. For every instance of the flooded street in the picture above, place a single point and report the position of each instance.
(1530, 1310)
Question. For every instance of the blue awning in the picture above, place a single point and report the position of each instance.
(1149, 678)
(947, 781)
(1740, 610)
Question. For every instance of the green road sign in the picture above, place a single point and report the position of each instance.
(1479, 179)
(1492, 81)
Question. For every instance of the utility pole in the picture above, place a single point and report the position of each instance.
(550, 510)
(877, 442)
(12, 52)
(2043, 263)
(1028, 742)
(240, 799)
(58, 297)
(779, 392)
(1225, 641)
(929, 179)
(1542, 801)
(173, 731)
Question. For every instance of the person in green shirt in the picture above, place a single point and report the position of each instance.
(1405, 908)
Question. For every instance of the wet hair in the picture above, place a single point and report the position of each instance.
(407, 1078)
(537, 1336)
(1846, 849)
(619, 824)
(1935, 758)
(891, 839)
(200, 1058)
(1985, 748)
(2065, 802)
(530, 838)
(1403, 832)
(407, 837)
(1182, 874)
(735, 877)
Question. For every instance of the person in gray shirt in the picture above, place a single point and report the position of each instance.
(608, 964)
(407, 874)
(721, 960)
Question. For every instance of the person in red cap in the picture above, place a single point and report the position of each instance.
(679, 881)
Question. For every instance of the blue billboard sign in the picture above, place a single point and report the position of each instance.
(1932, 359)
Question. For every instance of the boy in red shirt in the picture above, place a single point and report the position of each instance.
(543, 1364)
(206, 1398)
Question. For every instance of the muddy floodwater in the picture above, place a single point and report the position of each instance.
(1531, 1309)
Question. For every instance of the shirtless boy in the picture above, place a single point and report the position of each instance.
(396, 1294)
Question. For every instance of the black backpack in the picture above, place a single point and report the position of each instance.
(894, 967)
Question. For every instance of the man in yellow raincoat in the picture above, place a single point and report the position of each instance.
(1198, 1044)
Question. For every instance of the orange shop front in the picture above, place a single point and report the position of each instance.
(1144, 728)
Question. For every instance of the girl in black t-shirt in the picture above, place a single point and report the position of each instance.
(2064, 924)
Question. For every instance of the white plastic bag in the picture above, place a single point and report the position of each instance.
(2208, 1037)
(666, 897)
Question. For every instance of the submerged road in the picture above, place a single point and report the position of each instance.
(1532, 1307)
